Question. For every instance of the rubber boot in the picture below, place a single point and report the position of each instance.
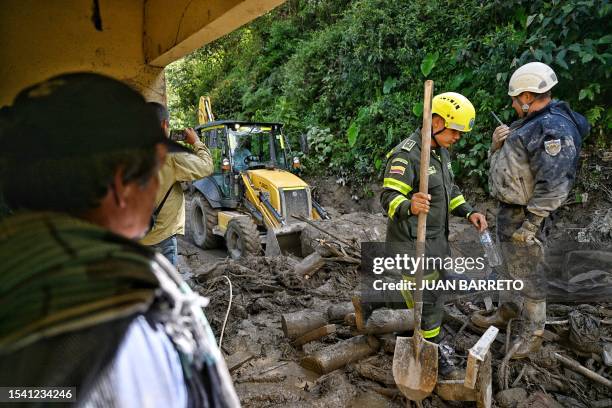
(447, 369)
(530, 339)
(499, 319)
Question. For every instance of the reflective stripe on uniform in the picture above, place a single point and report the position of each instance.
(397, 185)
(394, 204)
(407, 298)
(456, 202)
(406, 293)
(428, 334)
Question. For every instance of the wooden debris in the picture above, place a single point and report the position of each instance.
(236, 360)
(385, 321)
(299, 323)
(315, 334)
(579, 368)
(466, 323)
(273, 378)
(389, 321)
(309, 265)
(374, 373)
(337, 312)
(387, 392)
(339, 355)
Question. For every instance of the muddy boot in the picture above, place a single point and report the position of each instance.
(530, 339)
(447, 368)
(503, 313)
(363, 311)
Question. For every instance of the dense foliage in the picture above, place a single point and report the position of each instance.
(350, 73)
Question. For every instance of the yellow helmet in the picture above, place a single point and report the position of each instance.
(456, 110)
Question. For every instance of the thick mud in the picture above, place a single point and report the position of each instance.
(267, 366)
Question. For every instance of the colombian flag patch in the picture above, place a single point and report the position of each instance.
(397, 170)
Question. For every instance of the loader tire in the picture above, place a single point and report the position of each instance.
(202, 219)
(242, 238)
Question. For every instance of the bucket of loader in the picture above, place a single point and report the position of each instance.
(285, 240)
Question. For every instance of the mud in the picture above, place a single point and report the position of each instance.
(265, 288)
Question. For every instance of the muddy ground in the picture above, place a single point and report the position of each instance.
(266, 365)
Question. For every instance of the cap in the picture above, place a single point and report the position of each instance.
(80, 114)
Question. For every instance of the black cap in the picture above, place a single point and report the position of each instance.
(80, 114)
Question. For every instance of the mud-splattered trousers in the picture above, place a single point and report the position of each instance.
(400, 182)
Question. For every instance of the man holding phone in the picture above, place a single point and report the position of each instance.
(170, 200)
(533, 167)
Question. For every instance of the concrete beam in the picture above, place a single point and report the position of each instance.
(173, 29)
(39, 39)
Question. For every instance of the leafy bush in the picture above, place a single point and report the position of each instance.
(350, 73)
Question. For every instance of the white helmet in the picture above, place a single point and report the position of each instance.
(535, 77)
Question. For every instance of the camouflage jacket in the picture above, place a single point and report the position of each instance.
(536, 166)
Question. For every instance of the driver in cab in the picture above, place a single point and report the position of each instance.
(242, 154)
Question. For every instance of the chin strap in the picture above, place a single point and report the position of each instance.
(433, 134)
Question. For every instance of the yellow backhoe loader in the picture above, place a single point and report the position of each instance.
(253, 194)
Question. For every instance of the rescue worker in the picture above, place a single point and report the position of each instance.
(533, 167)
(452, 115)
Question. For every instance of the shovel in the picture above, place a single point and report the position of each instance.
(415, 361)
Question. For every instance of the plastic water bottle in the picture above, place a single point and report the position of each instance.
(490, 249)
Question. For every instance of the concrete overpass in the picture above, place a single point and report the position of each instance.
(132, 40)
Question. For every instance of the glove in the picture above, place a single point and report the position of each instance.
(526, 233)
(499, 135)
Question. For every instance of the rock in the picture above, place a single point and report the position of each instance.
(510, 398)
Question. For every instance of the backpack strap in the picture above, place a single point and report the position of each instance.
(159, 207)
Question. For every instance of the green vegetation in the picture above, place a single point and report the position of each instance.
(350, 73)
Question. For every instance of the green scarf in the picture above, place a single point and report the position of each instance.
(61, 274)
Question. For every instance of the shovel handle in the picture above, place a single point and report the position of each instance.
(423, 188)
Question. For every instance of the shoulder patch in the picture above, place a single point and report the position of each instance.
(408, 145)
(431, 170)
(553, 147)
(397, 170)
(399, 160)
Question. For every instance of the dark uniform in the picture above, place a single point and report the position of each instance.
(531, 175)
(400, 182)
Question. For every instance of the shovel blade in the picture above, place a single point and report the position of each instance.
(415, 371)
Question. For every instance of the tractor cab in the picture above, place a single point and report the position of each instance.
(237, 147)
(253, 193)
(241, 146)
(256, 146)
